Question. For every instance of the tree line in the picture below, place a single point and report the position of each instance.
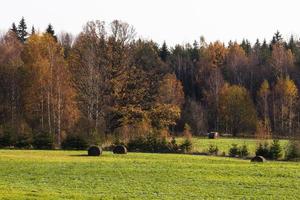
(106, 82)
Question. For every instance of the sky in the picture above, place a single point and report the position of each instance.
(173, 21)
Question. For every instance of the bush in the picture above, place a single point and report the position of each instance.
(213, 149)
(74, 142)
(94, 151)
(293, 150)
(155, 144)
(120, 149)
(262, 150)
(23, 141)
(234, 150)
(6, 139)
(275, 150)
(186, 146)
(243, 151)
(42, 140)
(238, 151)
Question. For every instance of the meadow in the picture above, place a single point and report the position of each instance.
(36, 174)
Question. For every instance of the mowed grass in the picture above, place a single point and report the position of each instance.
(201, 144)
(30, 174)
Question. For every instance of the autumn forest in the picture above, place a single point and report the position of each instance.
(107, 83)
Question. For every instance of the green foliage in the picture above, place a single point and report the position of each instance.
(23, 141)
(243, 151)
(238, 151)
(42, 140)
(293, 150)
(186, 146)
(234, 150)
(262, 150)
(237, 110)
(164, 52)
(22, 30)
(213, 149)
(74, 142)
(154, 144)
(6, 138)
(273, 151)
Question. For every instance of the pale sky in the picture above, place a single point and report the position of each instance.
(176, 21)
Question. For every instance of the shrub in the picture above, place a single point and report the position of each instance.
(234, 150)
(293, 150)
(186, 146)
(42, 140)
(275, 150)
(74, 142)
(213, 149)
(6, 139)
(154, 144)
(94, 151)
(243, 151)
(120, 149)
(23, 141)
(262, 150)
(238, 151)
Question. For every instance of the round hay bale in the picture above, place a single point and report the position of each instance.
(94, 151)
(120, 149)
(258, 159)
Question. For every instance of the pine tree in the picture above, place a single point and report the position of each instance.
(51, 31)
(195, 51)
(246, 46)
(32, 30)
(277, 38)
(22, 30)
(292, 44)
(14, 29)
(257, 46)
(264, 52)
(164, 52)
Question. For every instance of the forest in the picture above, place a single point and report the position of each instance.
(105, 83)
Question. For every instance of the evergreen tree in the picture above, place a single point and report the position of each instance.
(277, 38)
(230, 43)
(195, 51)
(32, 30)
(292, 44)
(22, 30)
(246, 46)
(265, 52)
(257, 46)
(51, 31)
(14, 29)
(164, 52)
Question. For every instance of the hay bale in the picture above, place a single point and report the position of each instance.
(258, 159)
(94, 151)
(120, 149)
(213, 135)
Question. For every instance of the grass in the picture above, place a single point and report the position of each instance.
(201, 144)
(30, 174)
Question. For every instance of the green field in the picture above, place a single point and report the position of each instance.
(30, 174)
(201, 144)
